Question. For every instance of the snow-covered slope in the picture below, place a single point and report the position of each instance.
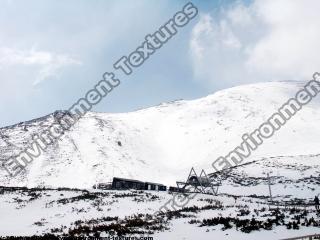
(101, 213)
(291, 177)
(162, 143)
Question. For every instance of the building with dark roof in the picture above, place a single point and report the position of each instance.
(123, 183)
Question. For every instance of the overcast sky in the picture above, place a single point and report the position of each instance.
(53, 51)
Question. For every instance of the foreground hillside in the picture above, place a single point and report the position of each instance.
(162, 143)
(68, 212)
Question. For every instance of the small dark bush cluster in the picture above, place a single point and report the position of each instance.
(124, 195)
(211, 201)
(193, 209)
(136, 224)
(47, 236)
(244, 225)
(274, 218)
(86, 196)
(243, 212)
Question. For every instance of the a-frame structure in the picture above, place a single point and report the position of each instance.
(199, 184)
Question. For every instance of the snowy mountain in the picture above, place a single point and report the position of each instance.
(162, 143)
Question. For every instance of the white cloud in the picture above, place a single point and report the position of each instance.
(267, 40)
(47, 63)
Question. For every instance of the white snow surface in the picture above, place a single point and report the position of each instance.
(162, 143)
(35, 212)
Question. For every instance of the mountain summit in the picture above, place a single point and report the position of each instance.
(162, 143)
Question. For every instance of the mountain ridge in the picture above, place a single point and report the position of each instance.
(163, 142)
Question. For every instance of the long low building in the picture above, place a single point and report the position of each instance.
(124, 183)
